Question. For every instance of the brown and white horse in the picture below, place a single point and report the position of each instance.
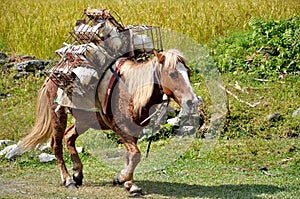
(129, 105)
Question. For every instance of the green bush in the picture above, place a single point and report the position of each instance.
(271, 48)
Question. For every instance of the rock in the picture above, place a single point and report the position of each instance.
(200, 101)
(275, 117)
(174, 121)
(296, 113)
(21, 58)
(45, 157)
(6, 142)
(21, 75)
(3, 58)
(263, 168)
(14, 151)
(79, 149)
(45, 147)
(31, 65)
(187, 129)
(8, 149)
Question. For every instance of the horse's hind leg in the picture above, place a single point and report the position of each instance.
(70, 138)
(59, 122)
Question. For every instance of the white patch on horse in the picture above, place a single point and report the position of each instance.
(183, 71)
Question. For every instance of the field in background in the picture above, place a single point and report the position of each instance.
(39, 27)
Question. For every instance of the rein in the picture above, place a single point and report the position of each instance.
(163, 108)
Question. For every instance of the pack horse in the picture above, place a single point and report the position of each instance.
(138, 86)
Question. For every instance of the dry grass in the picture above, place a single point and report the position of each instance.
(39, 28)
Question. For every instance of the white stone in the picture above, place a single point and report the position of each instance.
(6, 142)
(79, 149)
(8, 149)
(187, 128)
(174, 121)
(45, 157)
(296, 113)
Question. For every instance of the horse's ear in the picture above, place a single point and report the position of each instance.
(160, 57)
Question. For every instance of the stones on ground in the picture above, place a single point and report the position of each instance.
(263, 168)
(45, 157)
(174, 121)
(8, 149)
(23, 64)
(6, 142)
(188, 129)
(31, 65)
(296, 113)
(3, 58)
(4, 96)
(79, 149)
(275, 117)
(12, 150)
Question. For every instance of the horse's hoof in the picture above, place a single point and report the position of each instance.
(78, 178)
(135, 190)
(135, 195)
(116, 181)
(70, 184)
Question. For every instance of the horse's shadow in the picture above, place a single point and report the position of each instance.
(227, 191)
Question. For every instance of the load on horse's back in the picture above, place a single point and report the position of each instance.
(122, 91)
(96, 43)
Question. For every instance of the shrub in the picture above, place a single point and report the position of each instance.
(269, 49)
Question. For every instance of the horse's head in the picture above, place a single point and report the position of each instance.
(175, 79)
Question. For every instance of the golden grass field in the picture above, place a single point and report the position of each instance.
(39, 27)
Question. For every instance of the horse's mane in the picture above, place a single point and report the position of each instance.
(139, 77)
(173, 56)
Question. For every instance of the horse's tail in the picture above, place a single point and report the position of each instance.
(42, 128)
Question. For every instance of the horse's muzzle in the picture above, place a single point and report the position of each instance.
(190, 106)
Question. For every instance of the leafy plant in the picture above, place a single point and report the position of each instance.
(271, 48)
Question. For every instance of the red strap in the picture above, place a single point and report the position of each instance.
(111, 83)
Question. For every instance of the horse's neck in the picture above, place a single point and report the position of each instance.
(157, 93)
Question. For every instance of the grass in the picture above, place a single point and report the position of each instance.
(230, 170)
(39, 28)
(227, 168)
(18, 99)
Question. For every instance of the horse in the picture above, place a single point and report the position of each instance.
(144, 85)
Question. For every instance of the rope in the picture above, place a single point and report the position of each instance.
(163, 109)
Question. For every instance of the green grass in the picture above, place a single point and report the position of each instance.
(18, 100)
(228, 169)
(39, 28)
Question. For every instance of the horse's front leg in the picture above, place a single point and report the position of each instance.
(133, 157)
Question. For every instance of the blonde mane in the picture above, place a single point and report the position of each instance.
(172, 57)
(140, 81)
(139, 77)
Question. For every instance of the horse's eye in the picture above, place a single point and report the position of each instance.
(174, 75)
